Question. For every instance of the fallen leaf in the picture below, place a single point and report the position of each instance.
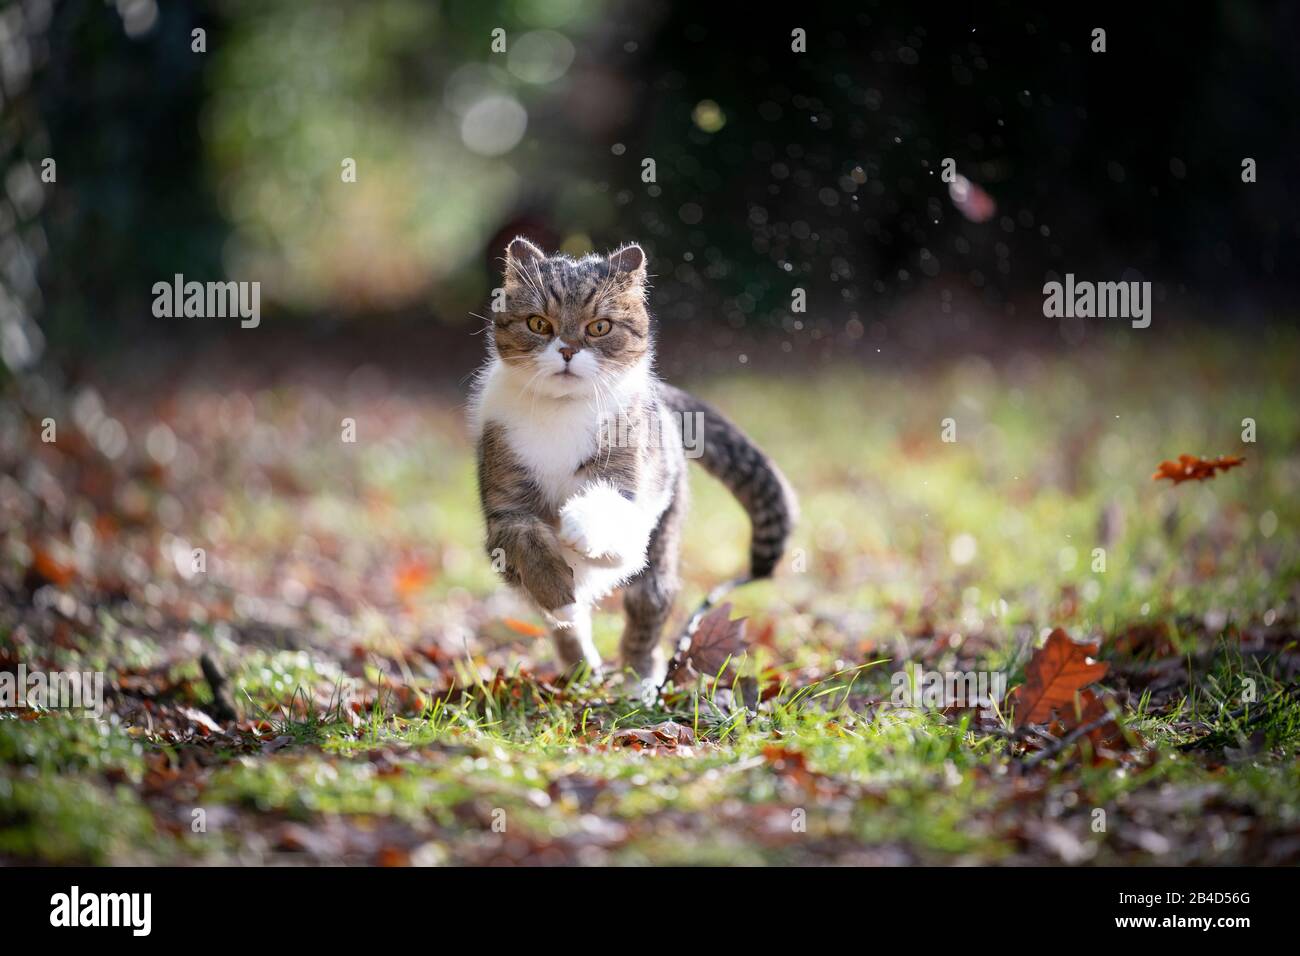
(1058, 670)
(791, 765)
(673, 733)
(410, 578)
(393, 856)
(716, 640)
(1190, 467)
(523, 627)
(1108, 738)
(47, 568)
(784, 760)
(1151, 638)
(669, 734)
(206, 724)
(271, 746)
(630, 735)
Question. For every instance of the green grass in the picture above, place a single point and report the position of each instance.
(409, 725)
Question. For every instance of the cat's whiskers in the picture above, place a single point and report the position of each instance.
(526, 276)
(602, 379)
(607, 290)
(607, 386)
(538, 284)
(532, 409)
(522, 273)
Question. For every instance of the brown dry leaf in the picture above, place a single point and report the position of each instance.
(47, 568)
(1190, 467)
(716, 640)
(1108, 738)
(673, 733)
(1091, 708)
(271, 746)
(669, 734)
(1058, 670)
(205, 723)
(393, 856)
(634, 737)
(159, 772)
(766, 636)
(1153, 639)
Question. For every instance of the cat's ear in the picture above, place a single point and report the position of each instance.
(523, 252)
(629, 258)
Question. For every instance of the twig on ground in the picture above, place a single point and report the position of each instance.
(1068, 739)
(222, 707)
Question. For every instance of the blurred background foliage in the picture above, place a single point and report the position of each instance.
(773, 169)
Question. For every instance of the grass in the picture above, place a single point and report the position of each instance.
(397, 709)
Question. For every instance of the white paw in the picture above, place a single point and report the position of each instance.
(601, 523)
(650, 669)
(564, 617)
(642, 689)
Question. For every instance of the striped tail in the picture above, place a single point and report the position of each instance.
(750, 475)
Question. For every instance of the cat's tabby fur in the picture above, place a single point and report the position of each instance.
(576, 508)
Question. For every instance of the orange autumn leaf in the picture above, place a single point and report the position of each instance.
(523, 627)
(1056, 672)
(410, 578)
(48, 569)
(786, 760)
(393, 856)
(1190, 467)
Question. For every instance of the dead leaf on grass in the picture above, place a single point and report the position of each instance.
(1056, 672)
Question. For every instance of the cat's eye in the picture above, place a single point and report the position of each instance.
(599, 327)
(539, 325)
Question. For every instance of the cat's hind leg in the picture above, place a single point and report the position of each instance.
(571, 632)
(648, 597)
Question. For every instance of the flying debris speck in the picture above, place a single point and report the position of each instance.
(494, 125)
(708, 116)
(971, 200)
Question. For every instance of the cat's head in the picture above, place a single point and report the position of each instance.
(573, 326)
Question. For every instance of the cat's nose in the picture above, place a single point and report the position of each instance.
(567, 352)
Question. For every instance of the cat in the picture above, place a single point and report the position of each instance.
(581, 456)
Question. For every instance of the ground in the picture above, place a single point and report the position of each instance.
(396, 704)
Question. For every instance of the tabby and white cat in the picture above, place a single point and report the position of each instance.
(578, 496)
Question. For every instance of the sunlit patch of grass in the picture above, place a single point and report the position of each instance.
(60, 817)
(453, 767)
(1244, 703)
(300, 785)
(71, 744)
(912, 549)
(265, 679)
(66, 791)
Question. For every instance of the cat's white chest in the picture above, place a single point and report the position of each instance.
(550, 438)
(553, 448)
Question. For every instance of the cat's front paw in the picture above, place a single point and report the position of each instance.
(601, 524)
(645, 690)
